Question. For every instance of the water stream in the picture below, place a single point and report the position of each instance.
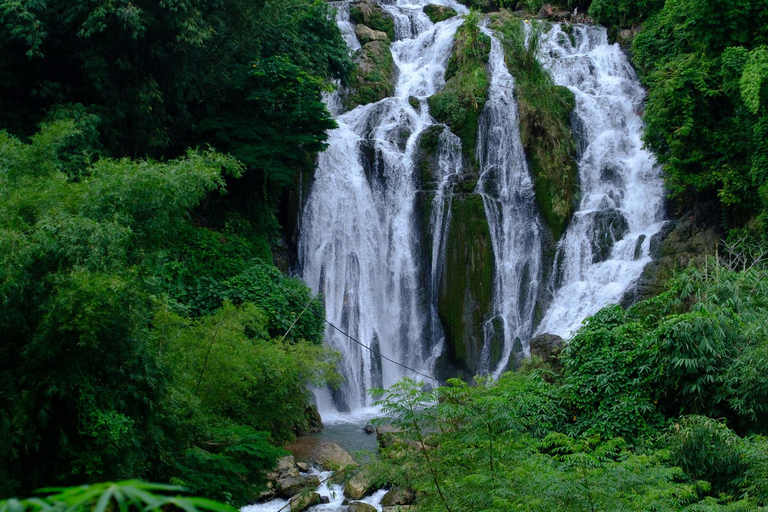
(607, 244)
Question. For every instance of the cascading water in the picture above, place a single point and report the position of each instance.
(510, 207)
(362, 242)
(607, 244)
(358, 244)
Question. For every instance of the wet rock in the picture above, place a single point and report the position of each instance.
(361, 506)
(374, 77)
(677, 245)
(546, 346)
(397, 508)
(398, 496)
(303, 501)
(358, 486)
(325, 499)
(608, 226)
(369, 429)
(291, 486)
(366, 34)
(302, 466)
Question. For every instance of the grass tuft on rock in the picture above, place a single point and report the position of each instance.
(461, 101)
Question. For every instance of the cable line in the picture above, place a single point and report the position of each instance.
(366, 347)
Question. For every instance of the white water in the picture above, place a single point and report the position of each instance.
(358, 245)
(361, 242)
(510, 206)
(615, 173)
(334, 493)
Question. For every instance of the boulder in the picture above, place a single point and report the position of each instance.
(332, 457)
(546, 346)
(291, 486)
(358, 486)
(302, 466)
(398, 496)
(397, 508)
(361, 506)
(328, 456)
(286, 467)
(366, 34)
(303, 501)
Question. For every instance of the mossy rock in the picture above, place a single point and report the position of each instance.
(374, 78)
(370, 14)
(462, 99)
(438, 13)
(425, 157)
(466, 288)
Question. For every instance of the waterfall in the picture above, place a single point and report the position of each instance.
(377, 255)
(358, 245)
(510, 206)
(607, 244)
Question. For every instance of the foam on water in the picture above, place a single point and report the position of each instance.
(618, 178)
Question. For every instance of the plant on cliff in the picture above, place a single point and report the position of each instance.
(461, 101)
(707, 110)
(545, 110)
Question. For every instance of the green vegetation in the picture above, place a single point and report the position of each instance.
(545, 110)
(625, 424)
(623, 13)
(125, 496)
(126, 355)
(707, 111)
(461, 101)
(145, 332)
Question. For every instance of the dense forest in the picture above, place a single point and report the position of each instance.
(149, 158)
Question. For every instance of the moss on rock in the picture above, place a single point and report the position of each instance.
(370, 14)
(545, 110)
(461, 101)
(466, 288)
(438, 13)
(374, 78)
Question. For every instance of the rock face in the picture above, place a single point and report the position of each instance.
(608, 227)
(372, 15)
(466, 287)
(679, 243)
